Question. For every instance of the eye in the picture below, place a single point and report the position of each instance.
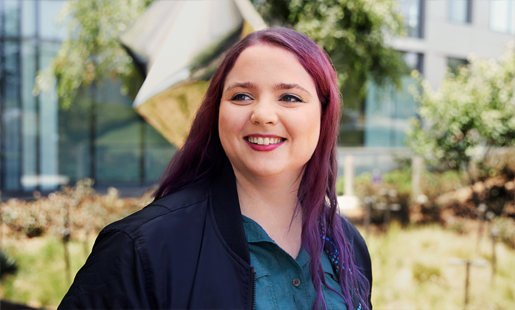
(241, 97)
(291, 98)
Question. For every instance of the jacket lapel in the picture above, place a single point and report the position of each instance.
(226, 209)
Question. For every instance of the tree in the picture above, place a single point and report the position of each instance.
(352, 32)
(470, 114)
(92, 52)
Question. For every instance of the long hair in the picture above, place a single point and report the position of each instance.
(202, 154)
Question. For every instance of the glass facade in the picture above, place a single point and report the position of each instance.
(43, 145)
(459, 11)
(413, 12)
(502, 16)
(375, 132)
(388, 109)
(383, 117)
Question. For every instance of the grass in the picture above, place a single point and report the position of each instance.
(411, 270)
(41, 280)
(410, 266)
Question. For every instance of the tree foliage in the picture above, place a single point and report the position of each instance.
(471, 113)
(92, 52)
(353, 33)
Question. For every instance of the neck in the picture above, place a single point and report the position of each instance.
(272, 202)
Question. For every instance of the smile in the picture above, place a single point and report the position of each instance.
(264, 140)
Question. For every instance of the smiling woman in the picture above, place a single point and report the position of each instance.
(246, 214)
(269, 96)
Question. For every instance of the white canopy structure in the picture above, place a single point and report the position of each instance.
(180, 44)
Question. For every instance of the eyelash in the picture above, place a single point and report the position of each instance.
(296, 99)
(237, 97)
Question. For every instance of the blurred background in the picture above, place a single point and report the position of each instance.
(427, 164)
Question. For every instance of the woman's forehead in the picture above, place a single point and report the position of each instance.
(268, 65)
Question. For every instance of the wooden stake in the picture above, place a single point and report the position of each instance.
(65, 239)
(481, 209)
(494, 232)
(467, 284)
(467, 263)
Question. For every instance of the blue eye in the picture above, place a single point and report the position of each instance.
(291, 98)
(241, 97)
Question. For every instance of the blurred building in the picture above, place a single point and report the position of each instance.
(43, 145)
(440, 36)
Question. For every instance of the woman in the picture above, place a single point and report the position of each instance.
(246, 214)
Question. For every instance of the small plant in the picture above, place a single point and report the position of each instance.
(423, 273)
(78, 210)
(458, 227)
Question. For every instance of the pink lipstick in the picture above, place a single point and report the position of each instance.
(264, 143)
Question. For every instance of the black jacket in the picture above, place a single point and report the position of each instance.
(184, 251)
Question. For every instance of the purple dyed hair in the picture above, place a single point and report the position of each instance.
(202, 154)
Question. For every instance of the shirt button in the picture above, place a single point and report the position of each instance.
(296, 282)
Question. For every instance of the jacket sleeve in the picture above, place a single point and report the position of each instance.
(361, 254)
(112, 278)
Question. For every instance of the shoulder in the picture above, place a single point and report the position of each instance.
(361, 253)
(124, 269)
(353, 235)
(158, 214)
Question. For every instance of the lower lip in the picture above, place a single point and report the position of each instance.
(264, 148)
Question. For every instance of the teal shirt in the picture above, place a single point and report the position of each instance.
(283, 282)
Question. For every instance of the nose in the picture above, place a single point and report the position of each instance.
(264, 113)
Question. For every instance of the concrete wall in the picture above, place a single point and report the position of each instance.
(444, 38)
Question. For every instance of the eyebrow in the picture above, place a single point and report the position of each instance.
(247, 85)
(279, 86)
(290, 86)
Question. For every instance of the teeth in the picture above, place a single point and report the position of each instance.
(264, 141)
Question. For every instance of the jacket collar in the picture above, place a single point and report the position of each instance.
(227, 212)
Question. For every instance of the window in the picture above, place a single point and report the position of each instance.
(412, 10)
(502, 16)
(43, 144)
(455, 63)
(387, 109)
(459, 11)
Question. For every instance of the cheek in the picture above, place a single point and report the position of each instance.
(228, 123)
(222, 122)
(313, 124)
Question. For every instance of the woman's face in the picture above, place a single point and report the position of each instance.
(269, 121)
